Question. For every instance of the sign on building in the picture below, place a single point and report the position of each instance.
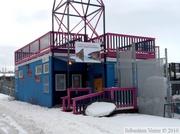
(87, 52)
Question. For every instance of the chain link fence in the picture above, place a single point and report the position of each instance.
(7, 85)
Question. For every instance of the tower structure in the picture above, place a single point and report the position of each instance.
(79, 17)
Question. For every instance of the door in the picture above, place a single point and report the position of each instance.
(76, 81)
(60, 88)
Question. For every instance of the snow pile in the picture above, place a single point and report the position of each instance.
(152, 99)
(99, 109)
(23, 118)
(176, 97)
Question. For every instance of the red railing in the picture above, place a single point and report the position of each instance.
(145, 46)
(73, 92)
(34, 49)
(123, 97)
(80, 102)
(44, 45)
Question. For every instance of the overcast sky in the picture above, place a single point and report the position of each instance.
(22, 21)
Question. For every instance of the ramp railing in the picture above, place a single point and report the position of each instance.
(71, 93)
(123, 98)
(79, 103)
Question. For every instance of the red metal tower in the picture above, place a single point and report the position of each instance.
(79, 17)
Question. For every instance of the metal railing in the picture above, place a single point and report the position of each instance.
(71, 93)
(123, 98)
(145, 46)
(7, 87)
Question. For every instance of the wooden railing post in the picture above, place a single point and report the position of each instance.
(74, 107)
(112, 94)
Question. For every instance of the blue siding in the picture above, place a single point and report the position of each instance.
(98, 69)
(110, 74)
(95, 70)
(62, 66)
(32, 91)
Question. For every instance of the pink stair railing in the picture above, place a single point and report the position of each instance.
(123, 97)
(73, 92)
(79, 103)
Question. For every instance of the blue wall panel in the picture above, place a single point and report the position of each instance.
(61, 65)
(110, 74)
(95, 70)
(32, 91)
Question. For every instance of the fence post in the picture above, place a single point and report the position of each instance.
(112, 94)
(168, 85)
(135, 98)
(74, 106)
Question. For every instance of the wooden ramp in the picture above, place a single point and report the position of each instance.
(124, 98)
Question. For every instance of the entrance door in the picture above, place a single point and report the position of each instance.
(60, 88)
(76, 81)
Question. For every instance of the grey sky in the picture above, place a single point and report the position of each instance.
(22, 21)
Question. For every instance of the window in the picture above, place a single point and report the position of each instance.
(16, 86)
(76, 81)
(46, 68)
(38, 69)
(60, 82)
(46, 84)
(16, 74)
(20, 73)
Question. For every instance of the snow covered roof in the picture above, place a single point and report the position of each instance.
(7, 74)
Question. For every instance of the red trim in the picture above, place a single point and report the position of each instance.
(79, 108)
(132, 36)
(27, 53)
(66, 100)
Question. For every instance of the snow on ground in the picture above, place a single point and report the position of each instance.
(22, 118)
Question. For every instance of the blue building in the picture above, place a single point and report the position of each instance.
(46, 67)
(44, 73)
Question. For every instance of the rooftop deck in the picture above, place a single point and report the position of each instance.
(145, 46)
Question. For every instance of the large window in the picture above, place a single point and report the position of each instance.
(46, 84)
(60, 82)
(46, 68)
(38, 69)
(76, 81)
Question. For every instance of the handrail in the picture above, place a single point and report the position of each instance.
(44, 44)
(66, 100)
(125, 103)
(126, 99)
(79, 108)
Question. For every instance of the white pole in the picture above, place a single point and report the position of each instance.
(168, 86)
